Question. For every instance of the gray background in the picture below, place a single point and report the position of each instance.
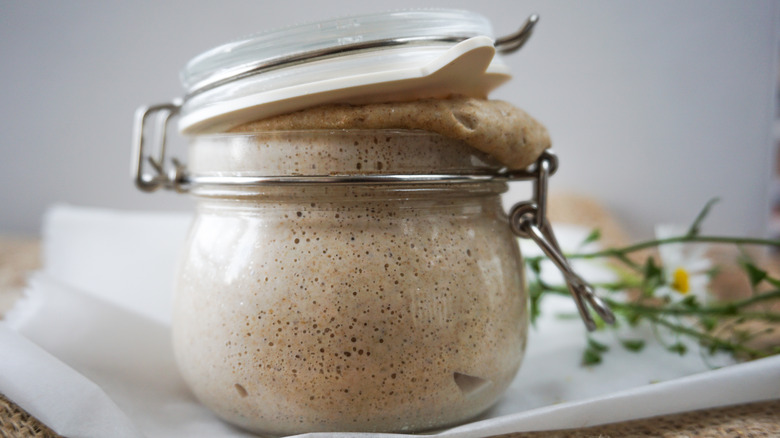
(654, 107)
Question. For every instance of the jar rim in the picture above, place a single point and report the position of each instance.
(318, 132)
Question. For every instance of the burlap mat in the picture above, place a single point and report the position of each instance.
(760, 419)
(16, 423)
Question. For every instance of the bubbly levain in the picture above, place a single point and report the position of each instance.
(348, 308)
(323, 316)
(494, 127)
(335, 152)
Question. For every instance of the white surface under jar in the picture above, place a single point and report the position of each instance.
(352, 307)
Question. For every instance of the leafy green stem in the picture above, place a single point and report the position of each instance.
(619, 252)
(723, 310)
(683, 314)
(707, 339)
(727, 309)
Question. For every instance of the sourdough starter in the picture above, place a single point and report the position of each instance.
(348, 307)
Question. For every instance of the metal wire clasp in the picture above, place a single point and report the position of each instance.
(528, 220)
(158, 116)
(514, 42)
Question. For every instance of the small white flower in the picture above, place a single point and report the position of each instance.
(685, 267)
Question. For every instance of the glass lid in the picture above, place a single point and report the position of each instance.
(282, 46)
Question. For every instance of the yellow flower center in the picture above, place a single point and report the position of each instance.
(680, 281)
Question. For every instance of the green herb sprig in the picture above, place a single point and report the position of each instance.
(650, 291)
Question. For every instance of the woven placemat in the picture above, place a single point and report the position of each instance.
(761, 419)
(16, 423)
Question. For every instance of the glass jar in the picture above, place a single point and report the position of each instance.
(350, 279)
(362, 307)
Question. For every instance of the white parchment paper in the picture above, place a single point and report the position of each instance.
(88, 350)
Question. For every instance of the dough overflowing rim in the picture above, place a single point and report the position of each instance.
(495, 127)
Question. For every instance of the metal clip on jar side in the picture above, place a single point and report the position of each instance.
(158, 116)
(528, 220)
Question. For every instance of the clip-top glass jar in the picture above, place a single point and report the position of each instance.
(350, 279)
(348, 306)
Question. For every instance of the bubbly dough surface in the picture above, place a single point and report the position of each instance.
(495, 127)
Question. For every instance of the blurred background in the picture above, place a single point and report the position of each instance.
(654, 107)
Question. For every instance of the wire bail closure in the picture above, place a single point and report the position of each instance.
(171, 178)
(528, 220)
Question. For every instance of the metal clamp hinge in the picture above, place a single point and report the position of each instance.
(514, 42)
(162, 175)
(528, 220)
